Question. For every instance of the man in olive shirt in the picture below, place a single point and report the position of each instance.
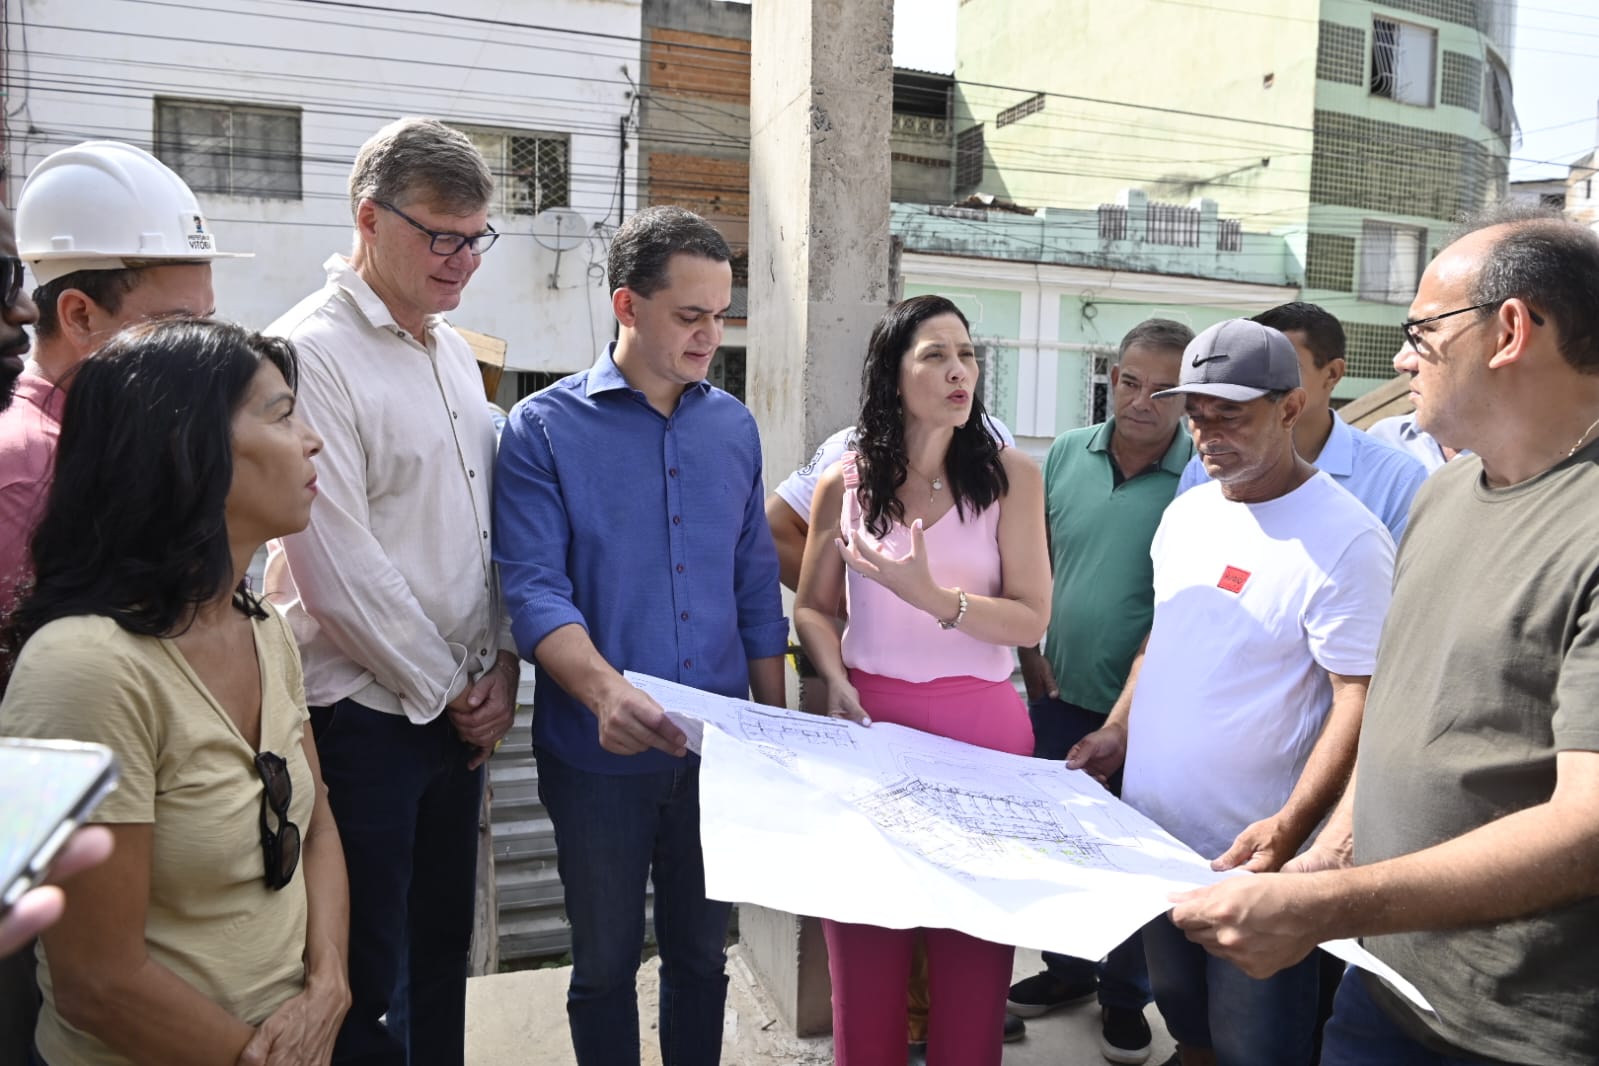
(1106, 487)
(1466, 848)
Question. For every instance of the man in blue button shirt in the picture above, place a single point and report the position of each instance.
(631, 535)
(1383, 478)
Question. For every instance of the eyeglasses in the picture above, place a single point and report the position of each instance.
(1413, 338)
(447, 243)
(10, 279)
(282, 848)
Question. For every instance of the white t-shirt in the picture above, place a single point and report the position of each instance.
(798, 489)
(1254, 605)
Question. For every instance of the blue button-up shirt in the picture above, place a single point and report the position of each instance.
(647, 530)
(1382, 478)
(1401, 432)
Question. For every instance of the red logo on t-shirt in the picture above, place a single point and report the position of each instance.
(1232, 579)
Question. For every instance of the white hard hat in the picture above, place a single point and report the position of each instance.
(98, 204)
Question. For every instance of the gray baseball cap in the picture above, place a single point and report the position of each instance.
(1238, 360)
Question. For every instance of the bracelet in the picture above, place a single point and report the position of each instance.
(960, 612)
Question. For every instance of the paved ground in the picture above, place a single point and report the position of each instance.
(519, 1019)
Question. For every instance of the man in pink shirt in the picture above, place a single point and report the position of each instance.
(112, 237)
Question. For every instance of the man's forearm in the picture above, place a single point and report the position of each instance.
(1533, 860)
(1123, 708)
(573, 662)
(767, 684)
(1332, 760)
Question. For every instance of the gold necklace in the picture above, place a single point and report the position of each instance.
(936, 482)
(1582, 438)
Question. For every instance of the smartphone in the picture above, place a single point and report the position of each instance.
(47, 789)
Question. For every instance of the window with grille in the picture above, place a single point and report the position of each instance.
(232, 149)
(969, 157)
(1404, 60)
(1390, 261)
(1498, 114)
(532, 171)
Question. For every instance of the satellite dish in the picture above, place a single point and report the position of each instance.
(560, 229)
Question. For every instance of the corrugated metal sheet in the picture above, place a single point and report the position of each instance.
(532, 912)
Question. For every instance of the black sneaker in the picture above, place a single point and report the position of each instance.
(1124, 1035)
(1044, 992)
(1015, 1028)
(916, 1054)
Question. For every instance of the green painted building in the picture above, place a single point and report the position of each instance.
(1354, 131)
(1049, 296)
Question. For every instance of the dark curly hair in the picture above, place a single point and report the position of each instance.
(972, 467)
(134, 526)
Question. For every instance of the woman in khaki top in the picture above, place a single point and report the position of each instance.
(216, 932)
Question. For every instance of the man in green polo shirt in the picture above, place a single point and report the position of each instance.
(1106, 487)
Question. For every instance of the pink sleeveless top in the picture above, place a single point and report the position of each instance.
(887, 636)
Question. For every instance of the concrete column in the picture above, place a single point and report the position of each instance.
(821, 103)
(821, 100)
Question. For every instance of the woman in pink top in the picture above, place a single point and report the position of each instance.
(930, 536)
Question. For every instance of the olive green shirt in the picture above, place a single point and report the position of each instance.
(1100, 528)
(1488, 669)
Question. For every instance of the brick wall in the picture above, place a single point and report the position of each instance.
(697, 65)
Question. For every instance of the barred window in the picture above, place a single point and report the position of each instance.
(1403, 61)
(969, 150)
(232, 149)
(532, 171)
(1390, 261)
(1498, 113)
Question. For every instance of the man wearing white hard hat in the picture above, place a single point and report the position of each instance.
(112, 237)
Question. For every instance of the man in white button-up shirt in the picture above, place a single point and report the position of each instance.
(410, 671)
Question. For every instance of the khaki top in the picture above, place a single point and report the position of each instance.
(186, 768)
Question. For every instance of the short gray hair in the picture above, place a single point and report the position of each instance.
(1156, 333)
(413, 158)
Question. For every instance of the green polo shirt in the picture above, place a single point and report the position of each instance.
(1099, 542)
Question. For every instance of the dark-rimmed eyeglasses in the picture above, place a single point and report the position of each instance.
(280, 849)
(10, 280)
(1413, 338)
(442, 243)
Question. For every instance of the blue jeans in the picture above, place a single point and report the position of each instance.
(1123, 981)
(1209, 1003)
(407, 811)
(612, 833)
(1360, 1033)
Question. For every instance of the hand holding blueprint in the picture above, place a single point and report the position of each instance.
(897, 828)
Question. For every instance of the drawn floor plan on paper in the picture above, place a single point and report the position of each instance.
(893, 827)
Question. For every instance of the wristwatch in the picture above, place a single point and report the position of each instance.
(960, 612)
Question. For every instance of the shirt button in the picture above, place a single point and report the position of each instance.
(471, 473)
(454, 415)
(684, 616)
(485, 534)
(680, 568)
(688, 662)
(677, 520)
(671, 472)
(483, 651)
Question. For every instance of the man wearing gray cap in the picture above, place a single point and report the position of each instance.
(1240, 715)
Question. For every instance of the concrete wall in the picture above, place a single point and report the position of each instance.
(93, 68)
(1163, 58)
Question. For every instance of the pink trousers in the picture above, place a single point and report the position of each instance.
(967, 978)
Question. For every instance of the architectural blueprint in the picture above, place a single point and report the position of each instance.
(894, 827)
